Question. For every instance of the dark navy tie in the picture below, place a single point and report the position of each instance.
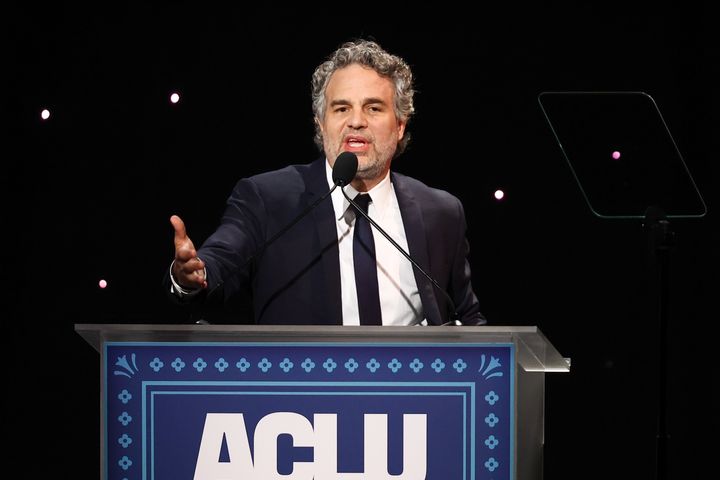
(366, 280)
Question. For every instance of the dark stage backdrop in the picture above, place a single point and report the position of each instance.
(89, 192)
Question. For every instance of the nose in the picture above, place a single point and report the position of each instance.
(357, 119)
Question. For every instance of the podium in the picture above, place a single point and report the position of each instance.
(321, 402)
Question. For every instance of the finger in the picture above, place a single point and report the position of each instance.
(185, 252)
(199, 276)
(192, 279)
(179, 226)
(184, 248)
(192, 266)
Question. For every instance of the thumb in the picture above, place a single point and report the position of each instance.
(179, 226)
(184, 248)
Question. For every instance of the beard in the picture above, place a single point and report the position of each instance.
(372, 164)
(371, 167)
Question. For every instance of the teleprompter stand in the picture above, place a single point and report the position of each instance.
(628, 166)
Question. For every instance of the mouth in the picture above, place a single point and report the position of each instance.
(355, 143)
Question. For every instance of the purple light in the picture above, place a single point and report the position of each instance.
(102, 283)
(499, 194)
(616, 155)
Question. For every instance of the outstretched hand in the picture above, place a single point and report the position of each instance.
(188, 269)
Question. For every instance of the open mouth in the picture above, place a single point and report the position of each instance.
(356, 144)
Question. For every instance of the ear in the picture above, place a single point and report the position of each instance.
(319, 124)
(401, 128)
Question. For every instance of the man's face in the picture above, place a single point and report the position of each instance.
(360, 118)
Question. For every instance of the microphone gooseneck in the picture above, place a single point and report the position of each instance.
(343, 172)
(453, 312)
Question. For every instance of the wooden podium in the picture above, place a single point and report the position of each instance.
(214, 402)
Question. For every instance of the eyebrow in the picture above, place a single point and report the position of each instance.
(366, 101)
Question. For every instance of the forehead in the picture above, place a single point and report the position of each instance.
(356, 82)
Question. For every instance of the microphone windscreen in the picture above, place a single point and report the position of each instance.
(345, 168)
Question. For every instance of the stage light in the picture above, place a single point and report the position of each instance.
(616, 155)
(45, 114)
(103, 283)
(174, 97)
(499, 194)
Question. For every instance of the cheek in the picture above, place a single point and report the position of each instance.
(392, 128)
(332, 129)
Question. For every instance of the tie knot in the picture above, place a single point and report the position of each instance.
(363, 200)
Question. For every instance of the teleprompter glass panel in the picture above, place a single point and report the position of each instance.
(622, 154)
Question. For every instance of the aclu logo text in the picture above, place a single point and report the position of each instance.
(321, 435)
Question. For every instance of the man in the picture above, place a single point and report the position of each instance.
(362, 102)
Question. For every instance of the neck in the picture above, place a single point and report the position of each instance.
(365, 184)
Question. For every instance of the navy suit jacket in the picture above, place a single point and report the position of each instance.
(296, 280)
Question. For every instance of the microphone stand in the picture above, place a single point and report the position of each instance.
(454, 320)
(287, 227)
(343, 171)
(661, 240)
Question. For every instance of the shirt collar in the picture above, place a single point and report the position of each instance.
(380, 193)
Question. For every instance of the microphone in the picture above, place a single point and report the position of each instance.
(454, 320)
(344, 170)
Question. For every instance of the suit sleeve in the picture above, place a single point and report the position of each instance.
(466, 302)
(242, 228)
(228, 249)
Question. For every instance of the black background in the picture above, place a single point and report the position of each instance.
(88, 194)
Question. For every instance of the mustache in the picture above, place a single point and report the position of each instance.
(365, 138)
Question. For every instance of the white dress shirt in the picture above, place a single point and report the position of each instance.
(399, 295)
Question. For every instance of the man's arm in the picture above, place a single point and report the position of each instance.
(466, 302)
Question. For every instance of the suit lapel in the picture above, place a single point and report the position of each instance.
(417, 246)
(324, 219)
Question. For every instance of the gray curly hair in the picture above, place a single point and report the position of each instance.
(369, 54)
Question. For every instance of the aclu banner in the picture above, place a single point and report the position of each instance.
(304, 411)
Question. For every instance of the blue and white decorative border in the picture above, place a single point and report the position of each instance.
(136, 373)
